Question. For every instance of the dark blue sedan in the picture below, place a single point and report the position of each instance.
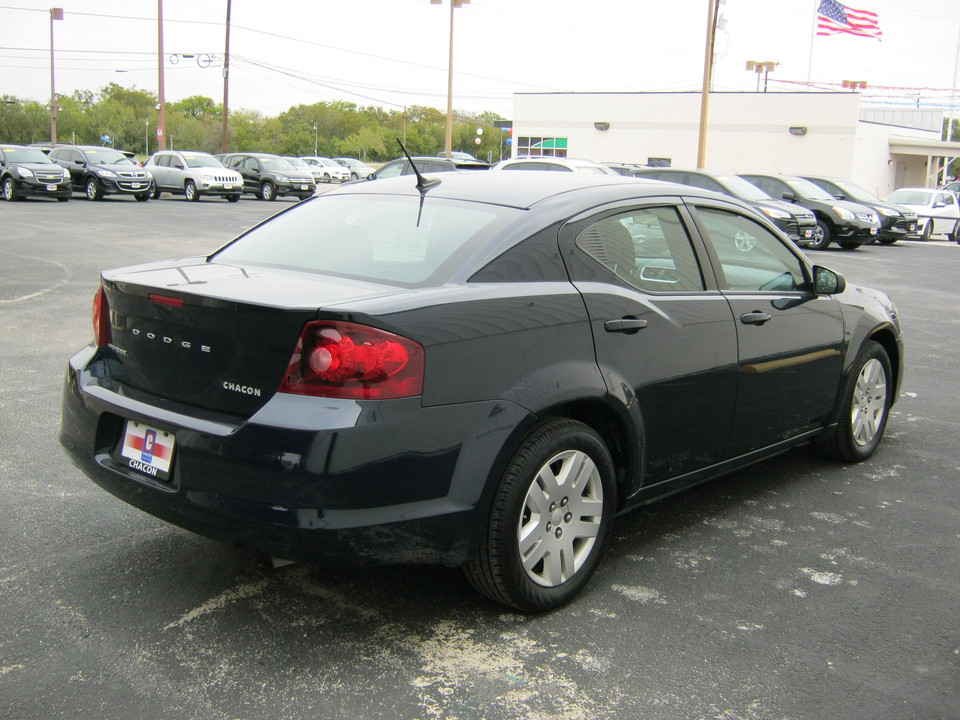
(476, 369)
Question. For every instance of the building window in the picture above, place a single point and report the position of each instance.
(542, 147)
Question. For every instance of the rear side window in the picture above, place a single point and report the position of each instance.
(386, 239)
(647, 248)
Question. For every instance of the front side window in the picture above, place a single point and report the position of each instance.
(752, 259)
(648, 248)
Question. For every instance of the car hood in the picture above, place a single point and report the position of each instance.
(783, 205)
(37, 167)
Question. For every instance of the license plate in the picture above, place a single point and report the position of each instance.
(51, 188)
(135, 186)
(304, 187)
(874, 231)
(228, 187)
(147, 449)
(808, 233)
(913, 227)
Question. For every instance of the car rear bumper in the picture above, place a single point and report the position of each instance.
(304, 478)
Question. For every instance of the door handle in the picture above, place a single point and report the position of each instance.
(755, 318)
(627, 325)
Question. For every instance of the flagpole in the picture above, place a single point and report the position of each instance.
(813, 37)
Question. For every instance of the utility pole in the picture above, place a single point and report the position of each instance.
(712, 6)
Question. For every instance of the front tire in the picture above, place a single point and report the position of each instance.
(927, 231)
(865, 406)
(232, 198)
(142, 197)
(268, 192)
(92, 189)
(550, 520)
(821, 236)
(10, 190)
(190, 191)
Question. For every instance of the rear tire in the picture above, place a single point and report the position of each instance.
(551, 517)
(865, 406)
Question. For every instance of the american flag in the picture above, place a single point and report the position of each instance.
(833, 18)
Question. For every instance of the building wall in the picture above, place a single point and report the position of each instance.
(748, 132)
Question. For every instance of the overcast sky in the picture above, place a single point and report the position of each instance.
(393, 53)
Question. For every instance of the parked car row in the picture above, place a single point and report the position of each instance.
(59, 169)
(811, 210)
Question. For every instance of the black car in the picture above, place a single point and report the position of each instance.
(426, 165)
(100, 171)
(896, 221)
(798, 223)
(849, 224)
(478, 370)
(27, 171)
(270, 176)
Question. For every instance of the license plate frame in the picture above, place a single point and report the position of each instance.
(146, 449)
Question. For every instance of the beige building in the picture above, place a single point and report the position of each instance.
(880, 148)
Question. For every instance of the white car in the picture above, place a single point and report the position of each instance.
(359, 170)
(330, 170)
(937, 210)
(561, 164)
(194, 174)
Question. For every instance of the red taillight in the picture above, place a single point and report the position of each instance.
(346, 360)
(101, 319)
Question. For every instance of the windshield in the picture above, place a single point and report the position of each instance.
(26, 155)
(276, 163)
(910, 197)
(107, 156)
(806, 189)
(297, 162)
(379, 238)
(196, 161)
(329, 163)
(742, 188)
(855, 192)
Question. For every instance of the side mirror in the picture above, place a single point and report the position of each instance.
(178, 166)
(827, 282)
(939, 204)
(789, 196)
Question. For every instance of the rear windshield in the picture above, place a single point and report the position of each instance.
(382, 238)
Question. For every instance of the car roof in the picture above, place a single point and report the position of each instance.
(517, 189)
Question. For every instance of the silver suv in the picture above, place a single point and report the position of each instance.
(194, 174)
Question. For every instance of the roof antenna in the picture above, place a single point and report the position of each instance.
(422, 183)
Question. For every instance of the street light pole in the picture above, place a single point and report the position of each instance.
(162, 119)
(448, 141)
(226, 85)
(712, 6)
(55, 14)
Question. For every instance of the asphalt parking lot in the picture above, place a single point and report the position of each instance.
(798, 588)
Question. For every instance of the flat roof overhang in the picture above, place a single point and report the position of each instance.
(925, 148)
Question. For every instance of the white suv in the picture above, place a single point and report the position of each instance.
(332, 170)
(193, 174)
